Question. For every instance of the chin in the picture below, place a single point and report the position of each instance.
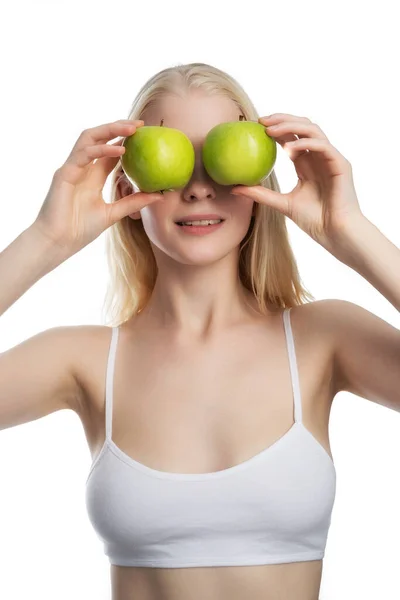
(199, 250)
(203, 256)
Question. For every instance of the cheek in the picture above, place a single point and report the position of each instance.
(243, 209)
(156, 219)
(244, 215)
(156, 212)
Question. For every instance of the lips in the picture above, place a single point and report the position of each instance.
(199, 230)
(187, 224)
(205, 217)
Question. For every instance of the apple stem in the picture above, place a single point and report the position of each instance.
(241, 117)
(162, 122)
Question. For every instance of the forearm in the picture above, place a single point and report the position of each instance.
(26, 260)
(364, 248)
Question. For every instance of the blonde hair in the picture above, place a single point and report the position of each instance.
(267, 265)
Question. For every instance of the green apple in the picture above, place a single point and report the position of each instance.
(158, 158)
(239, 153)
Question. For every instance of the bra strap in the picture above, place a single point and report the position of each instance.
(110, 380)
(293, 366)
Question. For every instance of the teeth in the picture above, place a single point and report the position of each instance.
(209, 222)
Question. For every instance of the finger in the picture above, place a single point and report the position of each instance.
(264, 195)
(131, 204)
(91, 145)
(282, 138)
(336, 162)
(278, 117)
(106, 132)
(84, 164)
(92, 154)
(103, 166)
(298, 128)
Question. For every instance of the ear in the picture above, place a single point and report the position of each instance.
(126, 188)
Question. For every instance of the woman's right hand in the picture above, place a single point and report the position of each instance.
(74, 212)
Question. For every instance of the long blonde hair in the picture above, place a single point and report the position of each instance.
(267, 265)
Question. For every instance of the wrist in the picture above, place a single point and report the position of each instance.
(44, 246)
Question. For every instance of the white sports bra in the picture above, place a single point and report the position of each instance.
(273, 508)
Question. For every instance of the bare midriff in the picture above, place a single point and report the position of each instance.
(289, 581)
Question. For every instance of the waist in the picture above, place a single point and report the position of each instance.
(293, 581)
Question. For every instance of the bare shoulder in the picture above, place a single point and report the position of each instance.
(326, 316)
(91, 345)
(318, 323)
(315, 318)
(42, 374)
(312, 325)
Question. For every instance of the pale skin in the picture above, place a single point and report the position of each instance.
(196, 302)
(221, 390)
(323, 203)
(186, 299)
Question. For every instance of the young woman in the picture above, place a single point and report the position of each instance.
(206, 403)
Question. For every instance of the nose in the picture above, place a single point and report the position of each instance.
(200, 186)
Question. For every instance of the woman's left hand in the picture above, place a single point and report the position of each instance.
(324, 200)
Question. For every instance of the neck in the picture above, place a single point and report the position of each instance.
(198, 307)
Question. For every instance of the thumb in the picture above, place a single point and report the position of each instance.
(263, 195)
(131, 204)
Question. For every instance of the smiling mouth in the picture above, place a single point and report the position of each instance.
(185, 224)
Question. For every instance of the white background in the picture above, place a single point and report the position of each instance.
(67, 66)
